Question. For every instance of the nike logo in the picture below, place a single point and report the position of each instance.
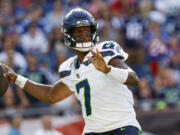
(108, 45)
(122, 129)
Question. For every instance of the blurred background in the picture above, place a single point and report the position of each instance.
(32, 44)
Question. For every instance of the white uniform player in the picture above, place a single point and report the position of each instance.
(97, 75)
(106, 103)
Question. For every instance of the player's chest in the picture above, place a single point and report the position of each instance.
(87, 77)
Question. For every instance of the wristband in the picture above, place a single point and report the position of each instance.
(118, 74)
(20, 81)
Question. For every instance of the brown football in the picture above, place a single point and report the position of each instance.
(4, 82)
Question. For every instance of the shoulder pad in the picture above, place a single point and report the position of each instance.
(109, 50)
(111, 47)
(65, 67)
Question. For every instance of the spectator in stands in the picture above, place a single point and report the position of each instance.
(170, 90)
(94, 8)
(175, 60)
(34, 73)
(174, 64)
(9, 101)
(55, 45)
(11, 57)
(34, 40)
(144, 95)
(157, 88)
(54, 17)
(15, 122)
(144, 92)
(175, 55)
(47, 127)
(14, 36)
(174, 43)
(33, 14)
(107, 32)
(133, 30)
(156, 39)
(145, 7)
(13, 100)
(73, 4)
(6, 13)
(46, 6)
(20, 11)
(118, 7)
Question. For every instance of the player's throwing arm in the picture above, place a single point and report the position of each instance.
(47, 93)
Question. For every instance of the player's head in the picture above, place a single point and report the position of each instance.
(80, 30)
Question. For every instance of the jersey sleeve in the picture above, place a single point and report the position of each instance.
(65, 75)
(110, 50)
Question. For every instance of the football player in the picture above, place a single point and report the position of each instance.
(97, 75)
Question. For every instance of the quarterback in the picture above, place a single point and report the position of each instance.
(97, 75)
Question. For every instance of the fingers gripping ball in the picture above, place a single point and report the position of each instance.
(4, 82)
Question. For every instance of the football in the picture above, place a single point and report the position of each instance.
(4, 82)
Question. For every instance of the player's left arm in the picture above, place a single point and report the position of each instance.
(123, 73)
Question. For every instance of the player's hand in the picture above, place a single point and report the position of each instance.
(99, 62)
(10, 75)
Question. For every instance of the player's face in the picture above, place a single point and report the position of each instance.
(82, 34)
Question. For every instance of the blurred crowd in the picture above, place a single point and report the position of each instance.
(31, 43)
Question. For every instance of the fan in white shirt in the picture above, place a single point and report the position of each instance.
(47, 128)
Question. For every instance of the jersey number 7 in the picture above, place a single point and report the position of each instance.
(84, 85)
